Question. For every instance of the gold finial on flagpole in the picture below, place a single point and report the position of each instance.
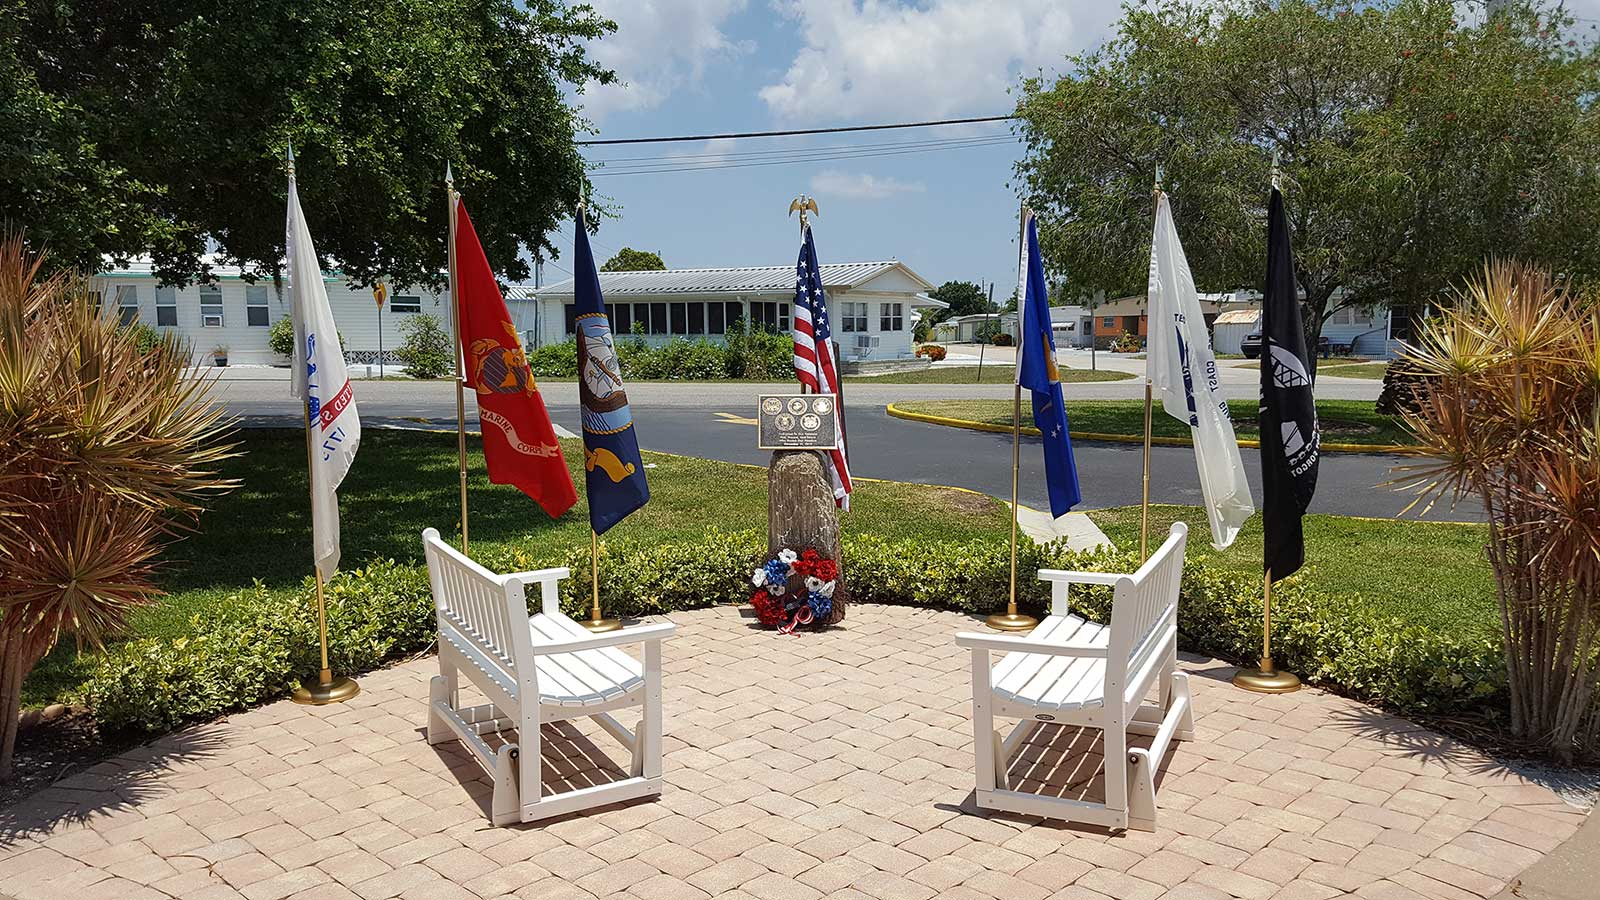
(290, 163)
(1277, 169)
(1011, 619)
(801, 204)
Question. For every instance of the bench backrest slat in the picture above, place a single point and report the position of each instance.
(472, 601)
(1144, 615)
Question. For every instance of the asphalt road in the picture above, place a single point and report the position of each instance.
(713, 421)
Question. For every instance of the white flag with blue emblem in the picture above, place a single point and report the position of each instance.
(1183, 372)
(320, 379)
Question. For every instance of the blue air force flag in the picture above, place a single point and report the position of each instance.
(614, 472)
(1036, 371)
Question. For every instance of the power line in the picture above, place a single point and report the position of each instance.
(791, 132)
(706, 167)
(755, 154)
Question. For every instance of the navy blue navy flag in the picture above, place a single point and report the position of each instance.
(1036, 371)
(614, 472)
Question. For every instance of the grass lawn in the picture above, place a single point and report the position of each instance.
(1343, 421)
(404, 481)
(1000, 372)
(1430, 573)
(1373, 370)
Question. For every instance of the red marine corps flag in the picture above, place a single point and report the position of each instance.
(519, 443)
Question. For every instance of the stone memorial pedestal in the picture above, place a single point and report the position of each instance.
(801, 514)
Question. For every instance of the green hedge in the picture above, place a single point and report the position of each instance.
(266, 640)
(760, 356)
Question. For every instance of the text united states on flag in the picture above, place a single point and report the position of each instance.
(813, 355)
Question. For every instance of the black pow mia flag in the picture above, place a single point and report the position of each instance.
(1289, 435)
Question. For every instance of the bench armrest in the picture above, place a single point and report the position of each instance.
(1017, 644)
(633, 634)
(537, 575)
(1109, 579)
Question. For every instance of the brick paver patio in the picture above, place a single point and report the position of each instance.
(834, 764)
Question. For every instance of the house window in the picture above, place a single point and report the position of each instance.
(211, 306)
(658, 318)
(621, 318)
(853, 317)
(891, 317)
(783, 317)
(405, 303)
(641, 318)
(166, 305)
(1109, 322)
(735, 312)
(680, 318)
(127, 303)
(255, 304)
(697, 318)
(570, 311)
(715, 323)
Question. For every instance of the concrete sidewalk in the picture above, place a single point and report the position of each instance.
(1569, 872)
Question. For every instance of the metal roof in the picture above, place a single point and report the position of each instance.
(740, 280)
(1239, 317)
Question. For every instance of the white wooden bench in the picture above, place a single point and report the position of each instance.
(535, 670)
(1071, 671)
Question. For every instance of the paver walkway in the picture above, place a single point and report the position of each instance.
(834, 764)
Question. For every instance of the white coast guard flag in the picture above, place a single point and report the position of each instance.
(1183, 372)
(320, 378)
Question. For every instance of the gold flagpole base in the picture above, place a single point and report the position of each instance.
(601, 626)
(325, 689)
(1011, 621)
(1266, 680)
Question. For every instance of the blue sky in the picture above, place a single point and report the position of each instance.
(710, 66)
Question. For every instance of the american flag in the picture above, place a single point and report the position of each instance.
(813, 355)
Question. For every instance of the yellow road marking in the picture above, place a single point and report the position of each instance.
(728, 418)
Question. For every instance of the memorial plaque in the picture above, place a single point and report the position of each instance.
(796, 422)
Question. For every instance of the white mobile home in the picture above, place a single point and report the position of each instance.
(873, 305)
(233, 313)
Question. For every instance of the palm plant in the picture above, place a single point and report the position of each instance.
(1511, 415)
(105, 452)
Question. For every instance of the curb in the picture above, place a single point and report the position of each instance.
(1158, 440)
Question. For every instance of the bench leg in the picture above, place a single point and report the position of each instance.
(983, 737)
(505, 805)
(1180, 690)
(647, 752)
(439, 691)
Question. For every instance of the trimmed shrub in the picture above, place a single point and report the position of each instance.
(934, 352)
(426, 351)
(145, 337)
(554, 360)
(280, 337)
(262, 641)
(759, 355)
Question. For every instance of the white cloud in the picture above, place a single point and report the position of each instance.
(861, 186)
(892, 59)
(659, 47)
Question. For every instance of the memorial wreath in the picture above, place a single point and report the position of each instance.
(787, 609)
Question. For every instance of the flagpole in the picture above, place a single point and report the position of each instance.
(1012, 620)
(1144, 502)
(461, 380)
(326, 689)
(597, 623)
(1267, 679)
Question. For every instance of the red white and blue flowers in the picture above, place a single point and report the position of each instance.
(777, 605)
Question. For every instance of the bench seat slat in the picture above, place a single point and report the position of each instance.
(582, 678)
(1051, 682)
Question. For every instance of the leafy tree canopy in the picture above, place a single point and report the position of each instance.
(161, 126)
(631, 260)
(964, 297)
(1414, 144)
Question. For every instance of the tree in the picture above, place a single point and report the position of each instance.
(161, 127)
(964, 298)
(426, 348)
(1413, 145)
(106, 452)
(631, 260)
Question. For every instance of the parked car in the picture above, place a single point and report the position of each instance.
(1250, 346)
